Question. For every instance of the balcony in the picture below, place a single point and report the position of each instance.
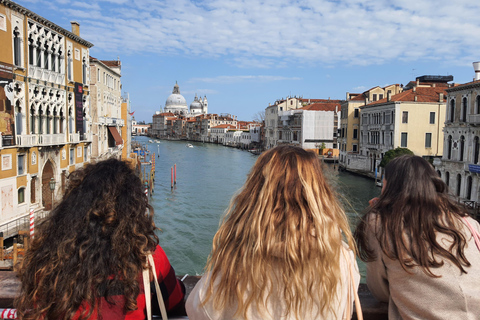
(111, 121)
(473, 118)
(30, 140)
(74, 137)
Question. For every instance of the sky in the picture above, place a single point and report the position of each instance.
(244, 54)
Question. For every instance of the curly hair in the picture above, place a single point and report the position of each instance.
(93, 243)
(412, 210)
(284, 229)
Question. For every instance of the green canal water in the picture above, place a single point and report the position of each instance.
(208, 175)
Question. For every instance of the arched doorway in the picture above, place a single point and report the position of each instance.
(47, 175)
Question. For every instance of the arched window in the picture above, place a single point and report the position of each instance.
(39, 54)
(48, 120)
(476, 149)
(464, 109)
(61, 120)
(40, 120)
(70, 120)
(449, 147)
(439, 173)
(54, 61)
(70, 66)
(31, 51)
(84, 67)
(18, 118)
(46, 57)
(452, 110)
(21, 195)
(459, 184)
(447, 178)
(17, 48)
(469, 188)
(462, 148)
(32, 119)
(477, 106)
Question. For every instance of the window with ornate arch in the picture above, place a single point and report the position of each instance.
(462, 148)
(459, 184)
(464, 109)
(449, 147)
(69, 66)
(17, 48)
(447, 178)
(476, 149)
(452, 110)
(469, 188)
(477, 105)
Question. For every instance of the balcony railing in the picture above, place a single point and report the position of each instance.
(110, 121)
(74, 137)
(473, 118)
(30, 140)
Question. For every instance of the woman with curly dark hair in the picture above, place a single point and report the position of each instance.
(87, 259)
(419, 246)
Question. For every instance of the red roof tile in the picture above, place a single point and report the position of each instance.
(323, 107)
(423, 94)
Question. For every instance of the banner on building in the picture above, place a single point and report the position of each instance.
(7, 123)
(79, 109)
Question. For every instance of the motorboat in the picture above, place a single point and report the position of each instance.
(189, 145)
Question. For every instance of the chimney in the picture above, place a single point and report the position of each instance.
(75, 28)
(414, 89)
(415, 98)
(476, 67)
(389, 96)
(440, 97)
(348, 98)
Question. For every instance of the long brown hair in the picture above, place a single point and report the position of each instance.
(412, 210)
(284, 227)
(93, 243)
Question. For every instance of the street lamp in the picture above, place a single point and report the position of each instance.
(52, 188)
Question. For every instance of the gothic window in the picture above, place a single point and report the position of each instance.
(17, 48)
(69, 66)
(464, 109)
(32, 120)
(478, 104)
(469, 188)
(40, 120)
(31, 52)
(459, 184)
(18, 118)
(48, 119)
(449, 147)
(447, 178)
(84, 66)
(46, 58)
(39, 54)
(452, 110)
(462, 147)
(476, 150)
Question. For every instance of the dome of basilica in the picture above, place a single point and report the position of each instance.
(175, 101)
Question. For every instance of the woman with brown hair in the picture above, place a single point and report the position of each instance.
(419, 246)
(279, 252)
(87, 258)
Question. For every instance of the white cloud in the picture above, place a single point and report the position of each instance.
(273, 33)
(235, 79)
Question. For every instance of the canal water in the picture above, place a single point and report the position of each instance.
(208, 175)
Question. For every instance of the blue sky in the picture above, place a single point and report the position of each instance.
(245, 54)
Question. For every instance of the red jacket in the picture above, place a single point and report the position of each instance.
(173, 292)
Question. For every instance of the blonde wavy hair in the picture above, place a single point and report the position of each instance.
(285, 228)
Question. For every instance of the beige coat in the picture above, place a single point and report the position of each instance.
(275, 305)
(453, 296)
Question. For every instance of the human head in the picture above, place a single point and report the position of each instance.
(414, 178)
(285, 217)
(98, 235)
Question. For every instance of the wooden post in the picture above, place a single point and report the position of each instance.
(171, 179)
(175, 181)
(15, 253)
(1, 246)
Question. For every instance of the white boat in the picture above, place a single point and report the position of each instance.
(151, 141)
(189, 145)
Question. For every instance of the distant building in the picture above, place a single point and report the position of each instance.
(45, 117)
(460, 164)
(411, 119)
(106, 108)
(311, 126)
(177, 104)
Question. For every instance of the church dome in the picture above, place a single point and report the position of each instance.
(195, 104)
(176, 102)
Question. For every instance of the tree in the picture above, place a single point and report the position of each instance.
(393, 153)
(259, 116)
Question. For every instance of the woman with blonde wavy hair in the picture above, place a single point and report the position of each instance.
(87, 258)
(279, 252)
